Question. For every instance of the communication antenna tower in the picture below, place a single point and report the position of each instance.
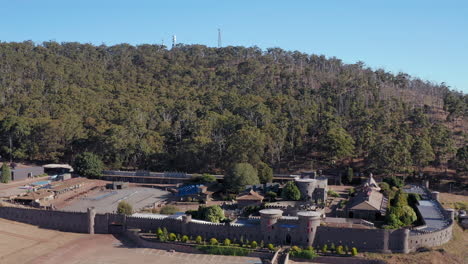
(174, 41)
(219, 38)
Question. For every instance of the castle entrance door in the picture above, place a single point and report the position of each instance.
(288, 239)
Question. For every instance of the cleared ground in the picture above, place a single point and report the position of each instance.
(106, 201)
(13, 188)
(22, 243)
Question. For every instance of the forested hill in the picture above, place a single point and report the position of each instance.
(195, 109)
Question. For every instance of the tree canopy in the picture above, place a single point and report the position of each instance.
(240, 175)
(194, 108)
(124, 208)
(88, 165)
(291, 192)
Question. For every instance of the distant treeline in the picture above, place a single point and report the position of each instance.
(194, 109)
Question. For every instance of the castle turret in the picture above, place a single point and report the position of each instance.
(308, 223)
(450, 213)
(268, 219)
(435, 195)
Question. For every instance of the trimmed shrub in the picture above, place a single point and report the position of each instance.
(213, 241)
(332, 247)
(198, 240)
(303, 253)
(227, 242)
(254, 244)
(221, 250)
(271, 247)
(185, 239)
(339, 250)
(172, 237)
(295, 248)
(325, 248)
(354, 251)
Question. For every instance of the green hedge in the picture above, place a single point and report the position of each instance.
(222, 250)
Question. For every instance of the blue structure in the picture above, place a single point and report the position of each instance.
(189, 189)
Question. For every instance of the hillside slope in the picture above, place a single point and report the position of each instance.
(195, 108)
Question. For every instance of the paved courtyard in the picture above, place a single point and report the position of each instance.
(107, 201)
(22, 243)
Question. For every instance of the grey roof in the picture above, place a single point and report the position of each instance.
(368, 200)
(432, 214)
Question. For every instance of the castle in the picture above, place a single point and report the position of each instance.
(308, 228)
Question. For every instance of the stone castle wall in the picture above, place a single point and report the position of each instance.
(419, 239)
(373, 240)
(63, 221)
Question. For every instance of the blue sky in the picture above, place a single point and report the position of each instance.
(427, 39)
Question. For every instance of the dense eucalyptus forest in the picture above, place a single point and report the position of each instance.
(198, 109)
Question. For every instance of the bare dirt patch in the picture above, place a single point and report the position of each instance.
(23, 243)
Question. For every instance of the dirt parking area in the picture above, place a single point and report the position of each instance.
(22, 243)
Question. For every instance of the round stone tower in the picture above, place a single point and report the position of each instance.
(308, 223)
(450, 213)
(435, 195)
(268, 219)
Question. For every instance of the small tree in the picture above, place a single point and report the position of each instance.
(159, 232)
(185, 239)
(354, 251)
(254, 244)
(265, 173)
(227, 242)
(124, 208)
(291, 192)
(271, 247)
(346, 249)
(332, 247)
(88, 165)
(262, 244)
(350, 174)
(213, 241)
(325, 248)
(6, 173)
(198, 240)
(168, 210)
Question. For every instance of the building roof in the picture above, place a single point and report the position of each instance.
(370, 200)
(372, 183)
(252, 195)
(57, 166)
